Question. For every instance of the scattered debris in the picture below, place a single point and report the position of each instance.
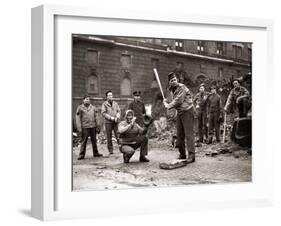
(101, 167)
(174, 164)
(76, 137)
(214, 153)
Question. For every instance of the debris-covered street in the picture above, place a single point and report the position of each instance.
(216, 163)
(159, 97)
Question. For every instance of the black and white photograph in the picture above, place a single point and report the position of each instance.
(154, 112)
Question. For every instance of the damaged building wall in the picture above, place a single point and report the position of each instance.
(100, 65)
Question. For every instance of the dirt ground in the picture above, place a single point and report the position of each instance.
(211, 167)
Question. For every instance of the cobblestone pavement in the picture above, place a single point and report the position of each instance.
(109, 172)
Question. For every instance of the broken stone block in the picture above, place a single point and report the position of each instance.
(214, 153)
(236, 154)
(174, 164)
(223, 150)
(101, 167)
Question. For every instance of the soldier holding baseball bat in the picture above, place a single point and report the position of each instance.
(182, 102)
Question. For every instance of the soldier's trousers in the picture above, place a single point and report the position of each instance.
(214, 125)
(202, 125)
(185, 132)
(88, 132)
(108, 128)
(129, 149)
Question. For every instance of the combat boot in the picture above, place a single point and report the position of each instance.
(191, 158)
(97, 154)
(182, 157)
(144, 159)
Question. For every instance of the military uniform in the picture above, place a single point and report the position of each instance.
(131, 138)
(238, 101)
(214, 111)
(182, 102)
(139, 110)
(201, 111)
(111, 113)
(87, 116)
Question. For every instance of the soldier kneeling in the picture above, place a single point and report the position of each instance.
(132, 136)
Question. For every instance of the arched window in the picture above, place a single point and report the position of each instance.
(92, 84)
(126, 87)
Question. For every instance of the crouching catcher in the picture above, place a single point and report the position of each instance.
(132, 136)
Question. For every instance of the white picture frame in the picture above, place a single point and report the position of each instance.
(52, 197)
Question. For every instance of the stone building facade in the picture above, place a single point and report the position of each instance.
(124, 64)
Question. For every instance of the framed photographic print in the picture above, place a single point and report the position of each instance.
(138, 112)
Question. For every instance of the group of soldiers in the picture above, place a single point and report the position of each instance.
(210, 111)
(131, 132)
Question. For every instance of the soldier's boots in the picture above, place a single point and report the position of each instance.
(97, 154)
(182, 157)
(144, 159)
(80, 157)
(191, 158)
(126, 158)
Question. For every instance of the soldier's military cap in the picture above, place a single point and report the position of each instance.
(171, 75)
(137, 93)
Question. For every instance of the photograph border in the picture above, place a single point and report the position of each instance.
(43, 158)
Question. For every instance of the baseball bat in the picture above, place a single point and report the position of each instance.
(158, 81)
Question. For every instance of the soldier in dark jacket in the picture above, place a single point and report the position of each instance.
(111, 113)
(201, 111)
(87, 116)
(138, 107)
(214, 111)
(238, 100)
(132, 136)
(182, 102)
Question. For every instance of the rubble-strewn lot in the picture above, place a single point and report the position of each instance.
(216, 163)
